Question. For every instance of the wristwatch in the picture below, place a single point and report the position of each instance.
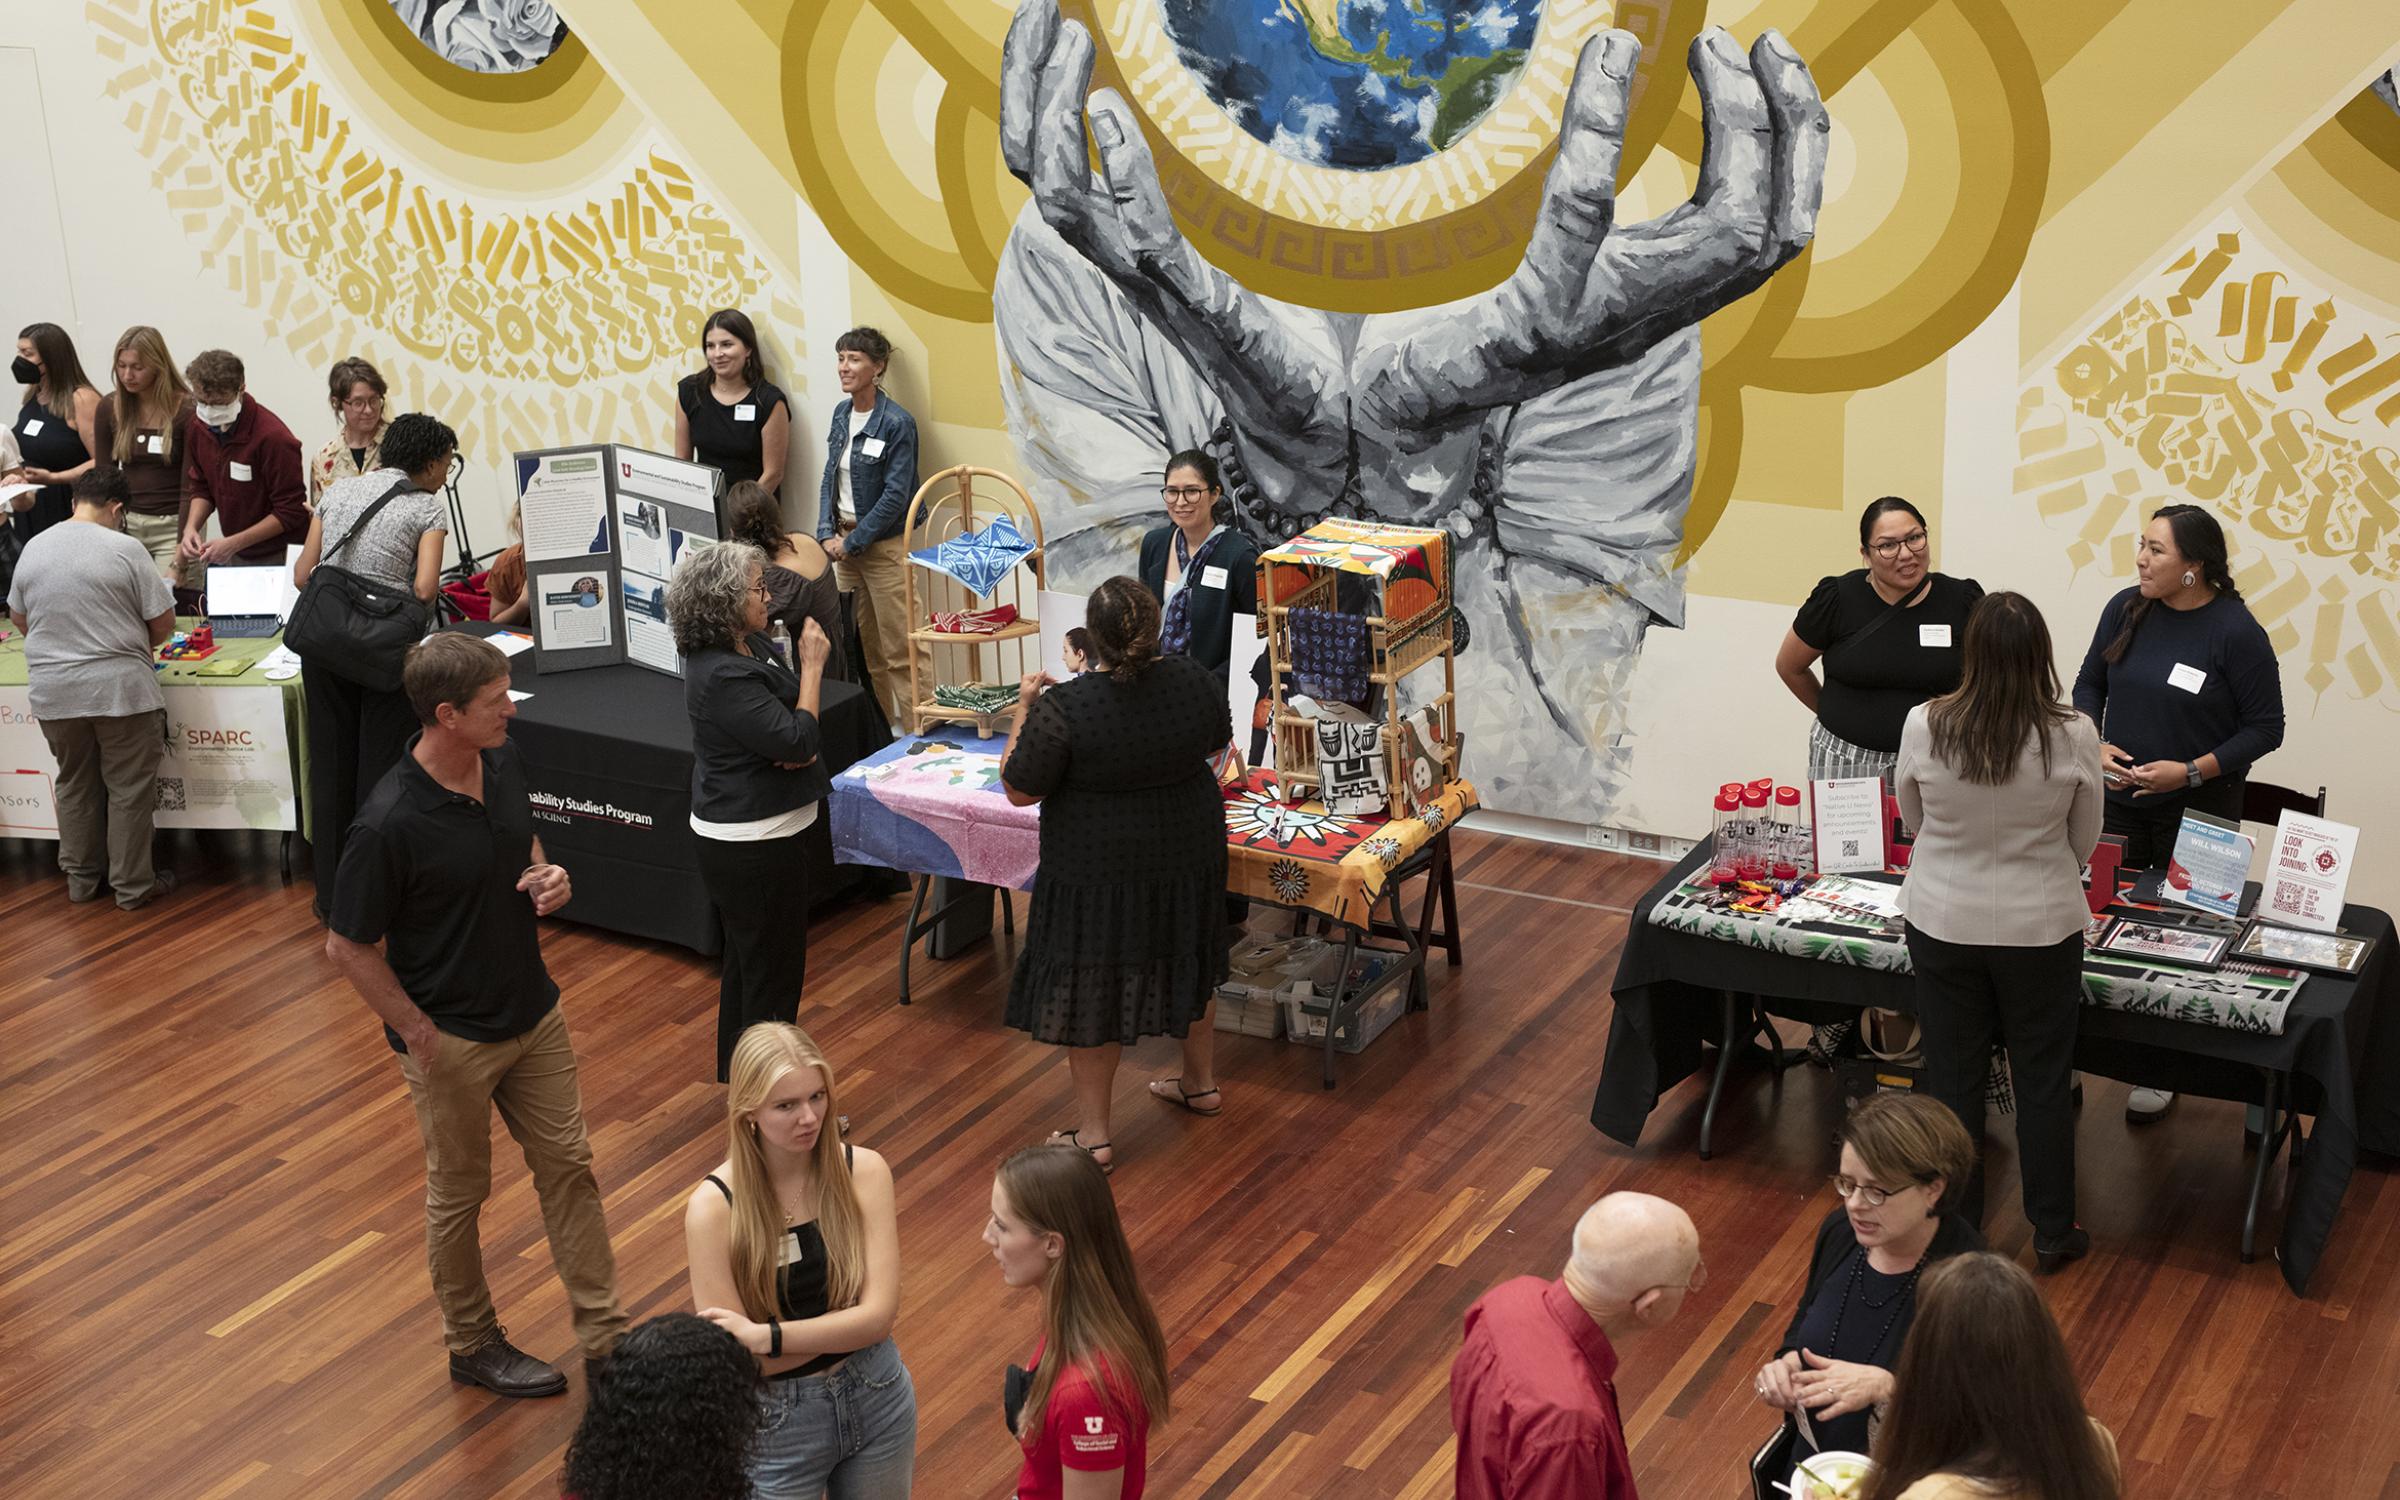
(2191, 770)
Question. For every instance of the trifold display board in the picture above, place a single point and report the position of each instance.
(605, 527)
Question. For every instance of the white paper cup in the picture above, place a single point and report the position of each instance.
(1835, 1467)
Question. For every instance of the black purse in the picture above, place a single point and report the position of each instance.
(356, 627)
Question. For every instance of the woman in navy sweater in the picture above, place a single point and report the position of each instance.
(2183, 684)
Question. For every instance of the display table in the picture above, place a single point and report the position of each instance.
(608, 766)
(2325, 1047)
(237, 753)
(932, 805)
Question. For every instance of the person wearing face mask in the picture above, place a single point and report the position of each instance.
(1904, 1161)
(729, 415)
(244, 467)
(1889, 634)
(794, 1245)
(1201, 570)
(53, 428)
(1082, 1413)
(870, 474)
(2183, 683)
(139, 430)
(1533, 1393)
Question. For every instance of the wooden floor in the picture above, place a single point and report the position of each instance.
(212, 1280)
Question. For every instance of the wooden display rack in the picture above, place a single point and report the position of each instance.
(1411, 628)
(947, 505)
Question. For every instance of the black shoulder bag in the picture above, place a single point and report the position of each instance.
(356, 627)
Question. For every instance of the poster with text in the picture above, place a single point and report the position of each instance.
(228, 762)
(562, 501)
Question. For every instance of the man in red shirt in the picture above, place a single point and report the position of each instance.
(242, 465)
(1533, 1392)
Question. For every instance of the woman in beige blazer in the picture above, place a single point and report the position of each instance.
(2001, 782)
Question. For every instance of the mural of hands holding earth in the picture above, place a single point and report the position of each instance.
(1549, 423)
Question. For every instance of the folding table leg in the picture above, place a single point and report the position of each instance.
(1341, 989)
(1452, 940)
(1008, 912)
(908, 934)
(1716, 1084)
(2258, 1168)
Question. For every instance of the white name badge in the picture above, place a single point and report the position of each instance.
(2188, 678)
(746, 412)
(1212, 578)
(871, 448)
(238, 471)
(1933, 635)
(33, 426)
(155, 442)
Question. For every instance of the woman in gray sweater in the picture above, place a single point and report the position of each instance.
(2001, 781)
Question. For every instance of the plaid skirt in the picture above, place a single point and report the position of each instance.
(1832, 758)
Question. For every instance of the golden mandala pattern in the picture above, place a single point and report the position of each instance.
(544, 327)
(2228, 381)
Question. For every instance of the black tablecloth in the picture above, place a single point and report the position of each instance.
(608, 762)
(2345, 1067)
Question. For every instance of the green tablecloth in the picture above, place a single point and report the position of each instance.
(185, 675)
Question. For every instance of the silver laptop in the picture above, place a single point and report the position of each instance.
(248, 602)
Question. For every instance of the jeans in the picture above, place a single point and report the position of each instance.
(2150, 825)
(848, 1434)
(1968, 996)
(530, 1079)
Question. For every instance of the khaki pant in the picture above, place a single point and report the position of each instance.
(160, 536)
(107, 798)
(878, 586)
(530, 1079)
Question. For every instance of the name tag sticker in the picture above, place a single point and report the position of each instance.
(2187, 677)
(1933, 635)
(238, 471)
(1212, 578)
(33, 426)
(155, 442)
(746, 412)
(871, 448)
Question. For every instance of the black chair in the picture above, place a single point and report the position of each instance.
(1772, 1462)
(2264, 802)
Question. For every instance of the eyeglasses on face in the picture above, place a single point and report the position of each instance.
(1890, 546)
(760, 588)
(1846, 1188)
(1175, 492)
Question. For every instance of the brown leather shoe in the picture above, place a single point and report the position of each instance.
(506, 1370)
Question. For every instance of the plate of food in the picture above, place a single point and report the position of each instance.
(1831, 1476)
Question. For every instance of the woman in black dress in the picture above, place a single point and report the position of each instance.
(729, 415)
(53, 427)
(1127, 937)
(1890, 634)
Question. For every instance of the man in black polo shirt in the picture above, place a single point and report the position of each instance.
(443, 871)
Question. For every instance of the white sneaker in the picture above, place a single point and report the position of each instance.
(2148, 1106)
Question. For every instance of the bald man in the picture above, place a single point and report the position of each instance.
(1533, 1392)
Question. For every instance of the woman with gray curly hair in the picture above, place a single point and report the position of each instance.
(756, 780)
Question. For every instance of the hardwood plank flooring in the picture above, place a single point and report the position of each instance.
(212, 1274)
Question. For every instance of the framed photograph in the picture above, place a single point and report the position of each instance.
(2163, 942)
(2326, 952)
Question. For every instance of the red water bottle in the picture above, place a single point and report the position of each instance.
(1725, 838)
(1757, 832)
(1786, 865)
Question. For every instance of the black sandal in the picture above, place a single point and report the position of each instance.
(1172, 1091)
(1068, 1138)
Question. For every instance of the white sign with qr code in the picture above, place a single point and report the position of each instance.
(228, 763)
(1847, 816)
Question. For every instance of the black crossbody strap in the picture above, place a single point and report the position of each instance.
(359, 525)
(1892, 611)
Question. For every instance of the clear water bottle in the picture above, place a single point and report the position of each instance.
(1790, 835)
(1758, 833)
(780, 638)
(1725, 837)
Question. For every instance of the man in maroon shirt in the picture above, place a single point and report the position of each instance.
(1533, 1392)
(242, 465)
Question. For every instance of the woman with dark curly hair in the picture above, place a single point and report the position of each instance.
(355, 732)
(675, 1411)
(798, 574)
(756, 780)
(1127, 938)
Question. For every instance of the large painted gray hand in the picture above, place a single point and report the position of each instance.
(1591, 295)
(1275, 366)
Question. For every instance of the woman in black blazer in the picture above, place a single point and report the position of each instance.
(1904, 1159)
(1200, 569)
(756, 779)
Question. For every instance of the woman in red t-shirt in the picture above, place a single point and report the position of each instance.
(1099, 1378)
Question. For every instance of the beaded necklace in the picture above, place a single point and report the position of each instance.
(1895, 1301)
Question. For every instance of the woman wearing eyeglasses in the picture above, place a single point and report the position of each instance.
(1889, 635)
(1904, 1159)
(355, 391)
(1199, 568)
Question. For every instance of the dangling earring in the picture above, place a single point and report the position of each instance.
(2187, 578)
